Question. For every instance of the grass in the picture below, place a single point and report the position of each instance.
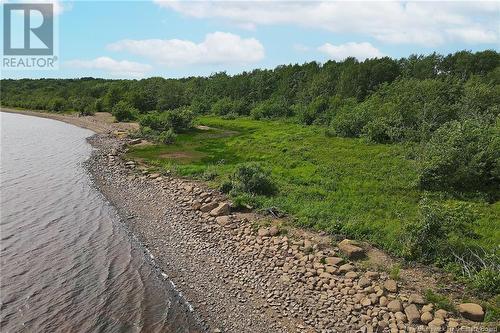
(365, 191)
(440, 301)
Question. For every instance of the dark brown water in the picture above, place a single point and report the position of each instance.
(67, 262)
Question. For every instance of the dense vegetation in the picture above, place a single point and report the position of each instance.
(403, 152)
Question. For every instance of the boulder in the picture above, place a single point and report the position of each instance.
(416, 299)
(196, 204)
(428, 308)
(391, 286)
(263, 232)
(436, 324)
(346, 268)
(471, 311)
(134, 141)
(273, 231)
(372, 275)
(351, 249)
(412, 314)
(351, 275)
(366, 302)
(400, 316)
(222, 209)
(382, 301)
(364, 282)
(395, 306)
(223, 220)
(443, 314)
(426, 317)
(333, 260)
(208, 207)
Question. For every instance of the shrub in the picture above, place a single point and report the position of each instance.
(88, 110)
(462, 156)
(154, 121)
(226, 186)
(480, 101)
(440, 301)
(99, 105)
(349, 121)
(179, 119)
(271, 108)
(57, 105)
(253, 179)
(200, 106)
(226, 105)
(147, 133)
(167, 137)
(439, 233)
(315, 112)
(123, 111)
(230, 116)
(487, 280)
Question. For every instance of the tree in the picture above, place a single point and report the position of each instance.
(124, 111)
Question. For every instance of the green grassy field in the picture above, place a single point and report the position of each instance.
(365, 191)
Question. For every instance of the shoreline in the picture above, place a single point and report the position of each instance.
(238, 278)
(102, 122)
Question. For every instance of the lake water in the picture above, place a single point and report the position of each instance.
(67, 262)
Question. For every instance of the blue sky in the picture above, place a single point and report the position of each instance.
(135, 39)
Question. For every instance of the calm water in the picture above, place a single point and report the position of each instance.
(67, 262)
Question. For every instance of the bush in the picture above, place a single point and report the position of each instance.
(253, 179)
(480, 101)
(230, 116)
(57, 105)
(167, 137)
(463, 156)
(200, 106)
(487, 280)
(439, 233)
(154, 121)
(227, 105)
(226, 186)
(271, 108)
(123, 111)
(179, 119)
(88, 110)
(315, 112)
(147, 133)
(349, 121)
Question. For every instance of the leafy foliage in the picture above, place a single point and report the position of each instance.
(439, 232)
(463, 156)
(253, 179)
(123, 111)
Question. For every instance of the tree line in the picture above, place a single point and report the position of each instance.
(446, 107)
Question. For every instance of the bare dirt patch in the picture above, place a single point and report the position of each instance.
(182, 155)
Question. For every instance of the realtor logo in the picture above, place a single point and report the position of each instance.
(29, 36)
(28, 29)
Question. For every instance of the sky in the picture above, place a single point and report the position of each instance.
(140, 39)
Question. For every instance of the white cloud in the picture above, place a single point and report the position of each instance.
(122, 68)
(216, 48)
(472, 35)
(360, 51)
(424, 22)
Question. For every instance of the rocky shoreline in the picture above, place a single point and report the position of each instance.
(242, 276)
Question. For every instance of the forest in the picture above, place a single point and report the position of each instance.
(434, 119)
